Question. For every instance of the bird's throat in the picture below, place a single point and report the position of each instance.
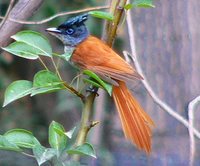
(69, 49)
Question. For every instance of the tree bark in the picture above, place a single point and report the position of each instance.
(21, 11)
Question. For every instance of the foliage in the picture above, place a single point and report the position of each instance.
(32, 45)
(19, 140)
(139, 4)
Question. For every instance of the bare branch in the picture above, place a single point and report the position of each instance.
(7, 13)
(23, 9)
(29, 155)
(57, 15)
(156, 99)
(191, 108)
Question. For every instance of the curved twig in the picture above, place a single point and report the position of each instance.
(57, 15)
(191, 108)
(156, 99)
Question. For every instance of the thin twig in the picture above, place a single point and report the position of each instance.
(29, 155)
(57, 71)
(43, 64)
(77, 77)
(57, 15)
(8, 12)
(68, 87)
(191, 108)
(74, 91)
(156, 99)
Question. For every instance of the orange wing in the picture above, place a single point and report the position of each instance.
(96, 56)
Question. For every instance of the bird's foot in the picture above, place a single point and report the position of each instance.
(92, 90)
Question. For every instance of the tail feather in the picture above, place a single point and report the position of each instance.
(136, 123)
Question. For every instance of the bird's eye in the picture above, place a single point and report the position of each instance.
(70, 31)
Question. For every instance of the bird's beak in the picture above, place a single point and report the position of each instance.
(53, 31)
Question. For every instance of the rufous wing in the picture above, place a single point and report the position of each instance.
(95, 55)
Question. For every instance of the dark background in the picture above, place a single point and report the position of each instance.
(167, 44)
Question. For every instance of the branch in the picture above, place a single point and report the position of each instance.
(117, 9)
(74, 91)
(7, 13)
(191, 108)
(57, 15)
(22, 10)
(156, 99)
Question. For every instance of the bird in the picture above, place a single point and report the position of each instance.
(91, 53)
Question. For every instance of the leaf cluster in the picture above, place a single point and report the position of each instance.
(20, 140)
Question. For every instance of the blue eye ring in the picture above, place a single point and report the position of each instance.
(70, 31)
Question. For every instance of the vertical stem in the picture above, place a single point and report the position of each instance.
(85, 120)
(111, 29)
(56, 68)
(41, 61)
(117, 8)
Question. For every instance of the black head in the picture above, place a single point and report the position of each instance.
(71, 32)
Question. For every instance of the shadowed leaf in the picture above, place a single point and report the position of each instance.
(56, 139)
(45, 82)
(85, 149)
(21, 138)
(6, 145)
(16, 90)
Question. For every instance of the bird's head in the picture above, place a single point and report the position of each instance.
(72, 31)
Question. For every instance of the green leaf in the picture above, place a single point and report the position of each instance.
(43, 154)
(103, 15)
(21, 138)
(128, 6)
(92, 83)
(85, 149)
(57, 140)
(16, 90)
(143, 3)
(45, 82)
(45, 78)
(6, 145)
(23, 50)
(45, 90)
(67, 134)
(36, 40)
(99, 81)
(70, 133)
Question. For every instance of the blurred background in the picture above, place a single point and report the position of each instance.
(167, 45)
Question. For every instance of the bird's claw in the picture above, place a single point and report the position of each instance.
(92, 90)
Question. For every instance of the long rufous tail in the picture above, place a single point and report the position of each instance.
(135, 122)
